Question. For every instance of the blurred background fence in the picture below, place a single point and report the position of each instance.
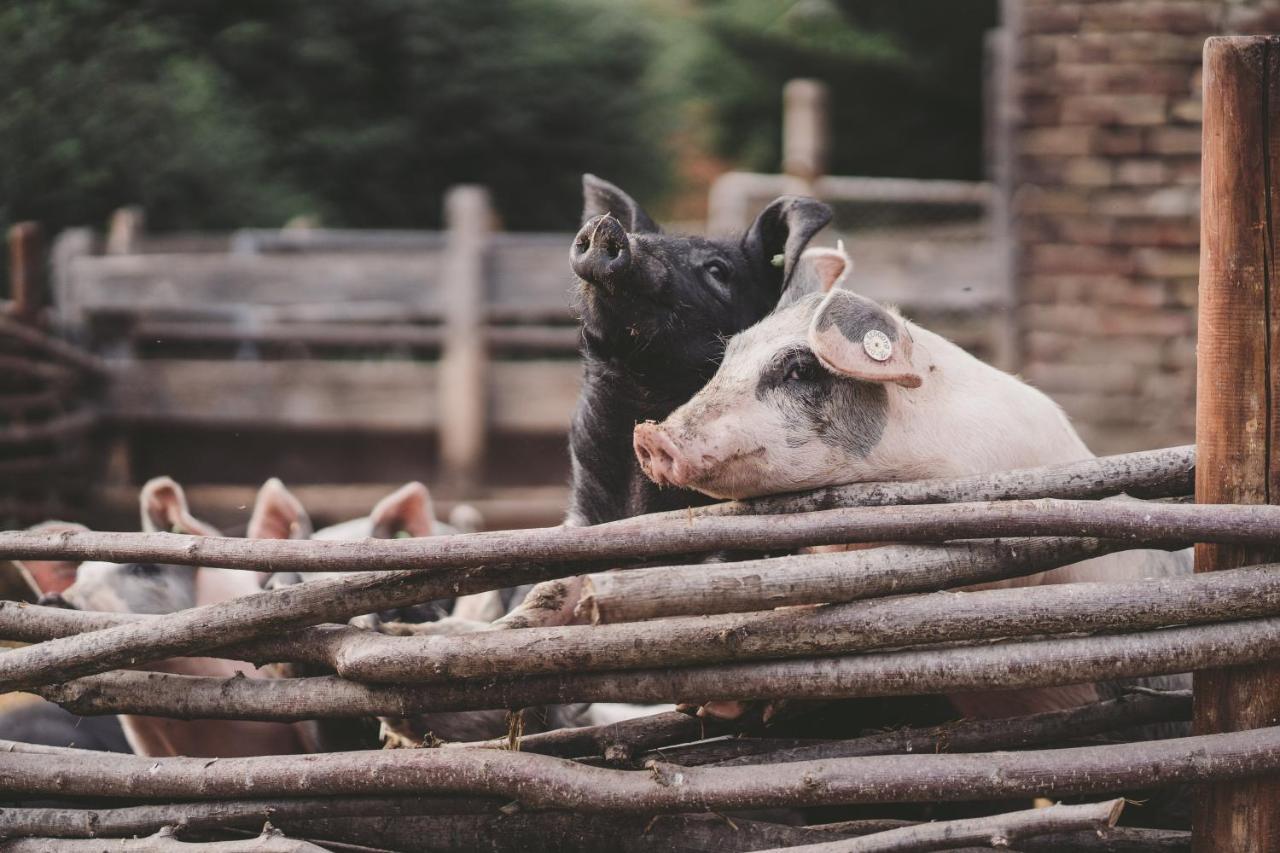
(1022, 176)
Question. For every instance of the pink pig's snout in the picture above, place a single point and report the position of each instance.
(659, 457)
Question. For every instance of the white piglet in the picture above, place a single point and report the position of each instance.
(835, 388)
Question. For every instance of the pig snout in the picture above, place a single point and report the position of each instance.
(601, 252)
(659, 457)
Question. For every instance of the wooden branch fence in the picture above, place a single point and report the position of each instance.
(888, 621)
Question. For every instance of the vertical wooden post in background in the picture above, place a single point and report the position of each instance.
(125, 230)
(25, 270)
(464, 395)
(1238, 390)
(805, 130)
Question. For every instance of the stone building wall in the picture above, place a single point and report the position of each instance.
(1105, 194)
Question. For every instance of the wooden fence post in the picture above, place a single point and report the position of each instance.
(805, 130)
(25, 270)
(464, 360)
(125, 230)
(1238, 388)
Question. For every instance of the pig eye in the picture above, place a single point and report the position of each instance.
(801, 368)
(717, 270)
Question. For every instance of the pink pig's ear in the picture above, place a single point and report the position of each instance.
(817, 271)
(164, 509)
(277, 514)
(47, 576)
(407, 510)
(856, 337)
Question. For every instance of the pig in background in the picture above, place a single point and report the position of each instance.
(152, 588)
(408, 512)
(834, 388)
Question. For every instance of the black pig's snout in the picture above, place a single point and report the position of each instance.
(601, 251)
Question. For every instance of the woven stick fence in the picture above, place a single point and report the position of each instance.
(892, 623)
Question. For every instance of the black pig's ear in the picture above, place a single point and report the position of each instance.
(599, 197)
(781, 232)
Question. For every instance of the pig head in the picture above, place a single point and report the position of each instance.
(656, 309)
(832, 388)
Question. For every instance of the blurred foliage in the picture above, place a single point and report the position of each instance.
(221, 113)
(905, 78)
(214, 114)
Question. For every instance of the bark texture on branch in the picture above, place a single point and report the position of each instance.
(544, 782)
(994, 831)
(1133, 709)
(713, 588)
(831, 630)
(1005, 666)
(1131, 521)
(165, 841)
(648, 593)
(615, 741)
(449, 557)
(1168, 472)
(141, 820)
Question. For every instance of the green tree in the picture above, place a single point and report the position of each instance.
(905, 78)
(221, 113)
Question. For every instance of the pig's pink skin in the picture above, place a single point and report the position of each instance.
(743, 435)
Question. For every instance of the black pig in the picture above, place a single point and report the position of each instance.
(656, 310)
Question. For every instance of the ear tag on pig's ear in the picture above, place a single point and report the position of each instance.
(856, 337)
(778, 260)
(876, 344)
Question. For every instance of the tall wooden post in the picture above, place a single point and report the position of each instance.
(463, 365)
(805, 130)
(25, 270)
(1238, 391)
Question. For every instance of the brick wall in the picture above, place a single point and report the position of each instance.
(1105, 203)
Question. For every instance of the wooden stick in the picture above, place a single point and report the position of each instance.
(166, 841)
(995, 831)
(727, 586)
(1133, 709)
(1238, 380)
(1135, 522)
(134, 642)
(1149, 474)
(835, 629)
(543, 782)
(1005, 666)
(53, 347)
(639, 594)
(616, 741)
(136, 820)
(556, 831)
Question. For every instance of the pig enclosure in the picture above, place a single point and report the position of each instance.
(667, 630)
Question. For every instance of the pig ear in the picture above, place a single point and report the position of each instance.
(600, 197)
(817, 271)
(781, 232)
(164, 509)
(49, 576)
(407, 510)
(277, 514)
(855, 337)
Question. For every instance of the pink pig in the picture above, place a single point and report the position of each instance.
(835, 388)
